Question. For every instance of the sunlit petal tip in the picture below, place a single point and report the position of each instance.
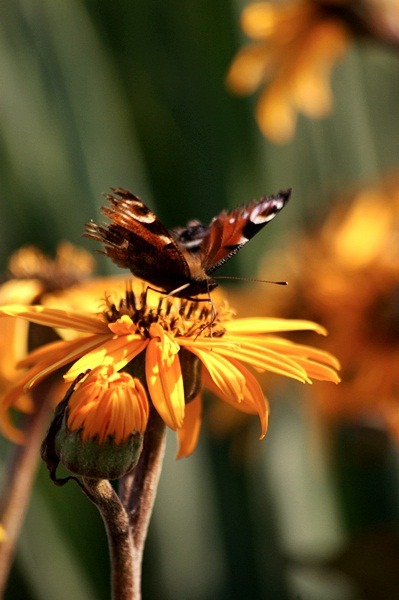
(320, 329)
(265, 325)
(264, 430)
(264, 421)
(188, 434)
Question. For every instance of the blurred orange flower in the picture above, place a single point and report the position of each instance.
(296, 45)
(31, 278)
(347, 277)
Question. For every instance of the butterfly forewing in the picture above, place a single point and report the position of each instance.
(136, 239)
(230, 231)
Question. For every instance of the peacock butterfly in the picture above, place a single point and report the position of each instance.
(180, 260)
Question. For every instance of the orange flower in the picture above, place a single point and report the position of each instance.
(297, 43)
(351, 284)
(108, 403)
(170, 347)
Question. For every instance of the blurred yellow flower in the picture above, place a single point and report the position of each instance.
(347, 277)
(31, 275)
(296, 45)
(163, 352)
(70, 265)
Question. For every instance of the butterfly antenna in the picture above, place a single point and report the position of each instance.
(251, 279)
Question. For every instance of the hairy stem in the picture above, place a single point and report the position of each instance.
(116, 521)
(138, 489)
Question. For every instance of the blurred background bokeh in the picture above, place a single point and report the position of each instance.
(133, 94)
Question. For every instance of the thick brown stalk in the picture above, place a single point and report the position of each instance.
(120, 544)
(138, 490)
(126, 517)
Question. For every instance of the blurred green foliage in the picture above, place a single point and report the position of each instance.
(120, 93)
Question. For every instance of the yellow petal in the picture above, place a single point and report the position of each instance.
(316, 370)
(254, 401)
(57, 349)
(258, 19)
(19, 291)
(108, 404)
(275, 114)
(13, 347)
(248, 70)
(270, 325)
(123, 326)
(188, 433)
(53, 317)
(118, 351)
(165, 382)
(225, 376)
(347, 241)
(303, 351)
(310, 89)
(254, 398)
(57, 355)
(260, 357)
(8, 429)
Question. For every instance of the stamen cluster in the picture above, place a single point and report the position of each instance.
(179, 316)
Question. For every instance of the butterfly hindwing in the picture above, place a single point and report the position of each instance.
(190, 237)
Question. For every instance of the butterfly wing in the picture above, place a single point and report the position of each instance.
(190, 237)
(181, 260)
(136, 239)
(231, 230)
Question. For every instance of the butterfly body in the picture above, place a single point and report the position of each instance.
(179, 261)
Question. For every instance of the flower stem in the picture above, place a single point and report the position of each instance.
(116, 521)
(126, 517)
(138, 490)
